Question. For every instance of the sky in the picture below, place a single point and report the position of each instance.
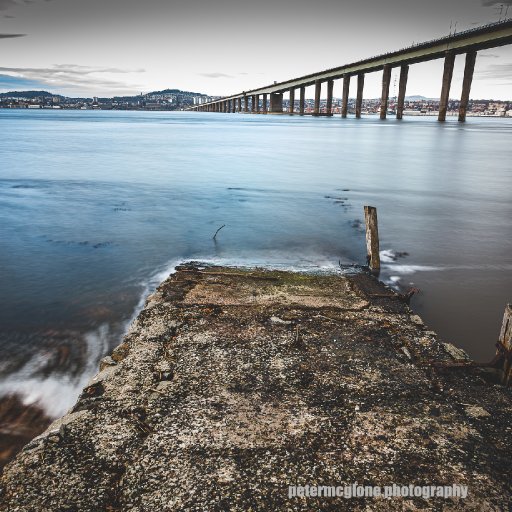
(222, 47)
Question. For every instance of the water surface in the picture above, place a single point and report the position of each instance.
(97, 207)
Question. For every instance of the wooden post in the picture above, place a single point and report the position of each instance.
(372, 238)
(506, 342)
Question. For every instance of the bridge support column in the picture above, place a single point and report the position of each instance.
(292, 101)
(344, 100)
(246, 104)
(318, 90)
(302, 99)
(402, 86)
(449, 61)
(239, 101)
(276, 102)
(253, 104)
(359, 97)
(257, 99)
(386, 78)
(466, 84)
(330, 85)
(264, 104)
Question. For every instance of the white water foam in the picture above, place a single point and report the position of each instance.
(57, 393)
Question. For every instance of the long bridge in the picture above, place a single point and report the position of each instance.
(269, 99)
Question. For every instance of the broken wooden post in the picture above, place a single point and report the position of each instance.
(372, 238)
(506, 344)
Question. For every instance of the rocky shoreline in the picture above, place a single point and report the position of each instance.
(233, 384)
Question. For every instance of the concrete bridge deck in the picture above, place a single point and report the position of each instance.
(468, 42)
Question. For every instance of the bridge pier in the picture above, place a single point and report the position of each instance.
(449, 61)
(318, 90)
(386, 78)
(239, 101)
(302, 99)
(246, 104)
(264, 103)
(344, 101)
(466, 84)
(359, 97)
(402, 86)
(292, 101)
(257, 99)
(276, 102)
(330, 85)
(253, 104)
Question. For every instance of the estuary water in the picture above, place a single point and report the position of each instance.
(98, 207)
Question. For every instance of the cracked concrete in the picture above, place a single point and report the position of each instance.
(233, 384)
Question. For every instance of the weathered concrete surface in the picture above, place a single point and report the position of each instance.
(233, 384)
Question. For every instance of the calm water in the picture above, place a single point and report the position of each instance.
(97, 207)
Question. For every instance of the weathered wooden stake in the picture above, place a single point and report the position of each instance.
(506, 342)
(372, 238)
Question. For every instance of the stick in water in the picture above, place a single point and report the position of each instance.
(214, 236)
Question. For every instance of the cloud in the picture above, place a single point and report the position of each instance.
(497, 72)
(74, 76)
(489, 3)
(12, 83)
(7, 4)
(215, 75)
(222, 75)
(7, 36)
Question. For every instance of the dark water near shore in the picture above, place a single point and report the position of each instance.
(97, 207)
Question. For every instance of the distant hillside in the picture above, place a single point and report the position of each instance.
(29, 94)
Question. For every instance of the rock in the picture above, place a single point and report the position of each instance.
(476, 411)
(277, 320)
(457, 353)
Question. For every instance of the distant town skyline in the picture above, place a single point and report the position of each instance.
(125, 47)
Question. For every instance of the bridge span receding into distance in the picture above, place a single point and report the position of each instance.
(269, 99)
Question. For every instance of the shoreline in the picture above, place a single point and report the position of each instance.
(235, 383)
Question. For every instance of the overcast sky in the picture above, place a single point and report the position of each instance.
(220, 47)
